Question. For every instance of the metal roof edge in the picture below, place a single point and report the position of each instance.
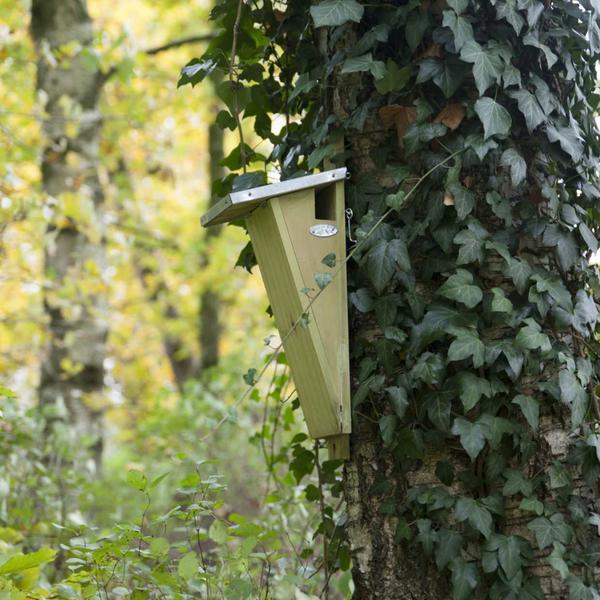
(264, 192)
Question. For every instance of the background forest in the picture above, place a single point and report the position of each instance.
(165, 485)
(151, 441)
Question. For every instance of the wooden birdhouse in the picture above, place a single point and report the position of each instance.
(293, 225)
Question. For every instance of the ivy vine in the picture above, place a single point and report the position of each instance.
(483, 288)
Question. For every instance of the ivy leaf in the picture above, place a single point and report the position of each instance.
(384, 258)
(531, 39)
(472, 436)
(464, 200)
(500, 303)
(250, 377)
(530, 408)
(459, 6)
(471, 247)
(511, 159)
(365, 62)
(520, 272)
(460, 27)
(506, 10)
(460, 288)
(467, 345)
(556, 560)
(487, 65)
(331, 13)
(530, 108)
(479, 517)
(533, 505)
(555, 288)
(394, 78)
(416, 26)
(398, 399)
(430, 368)
(559, 477)
(567, 251)
(472, 388)
(323, 279)
(516, 483)
(534, 10)
(573, 394)
(495, 118)
(438, 411)
(509, 555)
(329, 260)
(480, 146)
(551, 530)
(316, 157)
(196, 70)
(569, 140)
(530, 337)
(448, 547)
(464, 579)
(387, 428)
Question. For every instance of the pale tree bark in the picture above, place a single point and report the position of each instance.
(385, 567)
(69, 87)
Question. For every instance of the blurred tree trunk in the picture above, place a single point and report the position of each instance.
(69, 86)
(210, 326)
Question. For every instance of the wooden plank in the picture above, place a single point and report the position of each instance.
(330, 309)
(338, 447)
(281, 275)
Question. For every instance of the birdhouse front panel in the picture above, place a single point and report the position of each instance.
(316, 227)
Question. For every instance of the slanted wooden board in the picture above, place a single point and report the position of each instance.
(289, 255)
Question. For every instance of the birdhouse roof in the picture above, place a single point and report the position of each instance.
(238, 204)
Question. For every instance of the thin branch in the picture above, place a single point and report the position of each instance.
(191, 39)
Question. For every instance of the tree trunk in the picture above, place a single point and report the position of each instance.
(69, 87)
(210, 326)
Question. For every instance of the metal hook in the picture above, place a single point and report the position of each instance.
(349, 215)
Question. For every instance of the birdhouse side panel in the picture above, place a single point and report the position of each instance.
(301, 213)
(303, 348)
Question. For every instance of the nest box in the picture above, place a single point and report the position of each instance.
(293, 225)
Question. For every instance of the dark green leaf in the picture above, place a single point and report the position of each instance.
(460, 288)
(511, 159)
(495, 118)
(530, 408)
(448, 547)
(387, 428)
(550, 530)
(398, 399)
(569, 140)
(331, 13)
(509, 555)
(472, 388)
(460, 27)
(529, 106)
(472, 436)
(487, 66)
